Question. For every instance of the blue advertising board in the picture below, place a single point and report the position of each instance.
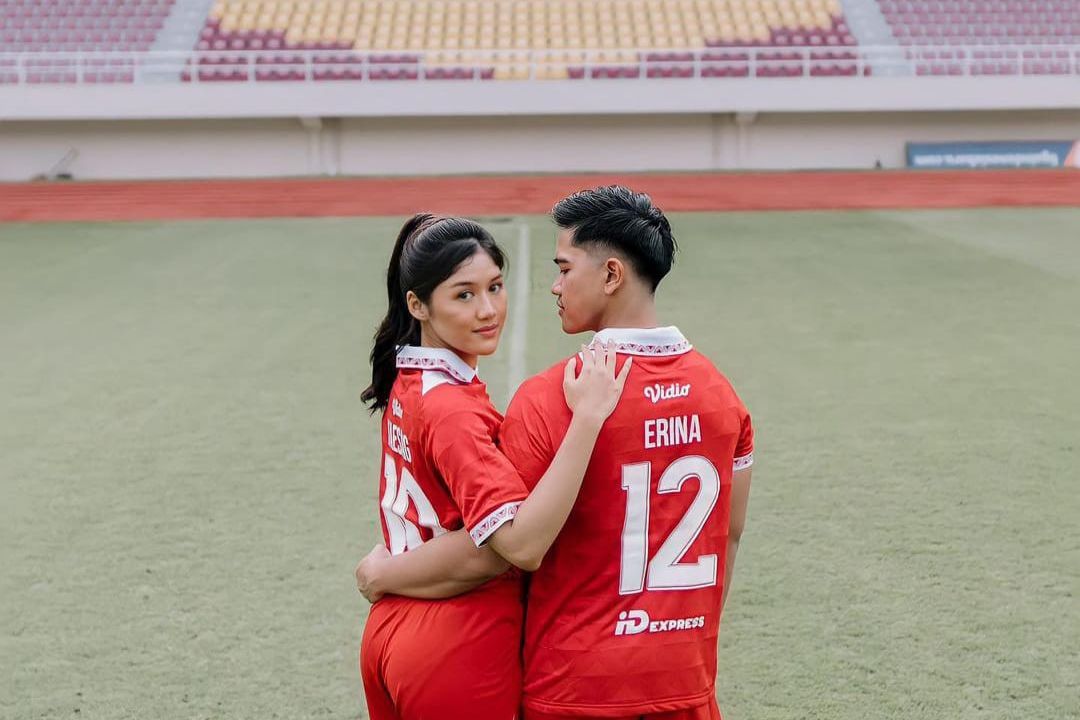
(968, 155)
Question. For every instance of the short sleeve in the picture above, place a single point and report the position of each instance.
(484, 485)
(524, 436)
(744, 448)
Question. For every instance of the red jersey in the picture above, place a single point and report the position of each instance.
(441, 469)
(458, 657)
(623, 615)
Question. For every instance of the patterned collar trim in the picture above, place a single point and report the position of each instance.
(426, 358)
(656, 342)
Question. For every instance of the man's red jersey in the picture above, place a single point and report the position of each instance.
(623, 615)
(441, 471)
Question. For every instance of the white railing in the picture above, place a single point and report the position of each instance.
(535, 65)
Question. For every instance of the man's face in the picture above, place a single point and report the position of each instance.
(578, 286)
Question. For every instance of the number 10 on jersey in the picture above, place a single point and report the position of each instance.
(666, 571)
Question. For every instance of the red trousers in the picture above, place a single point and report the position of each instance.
(455, 659)
(708, 711)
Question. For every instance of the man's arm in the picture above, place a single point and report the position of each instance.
(442, 567)
(740, 498)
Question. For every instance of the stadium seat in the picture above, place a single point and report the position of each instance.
(382, 29)
(986, 23)
(84, 26)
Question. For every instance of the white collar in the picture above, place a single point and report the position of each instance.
(659, 341)
(428, 358)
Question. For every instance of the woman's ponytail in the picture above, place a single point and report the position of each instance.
(398, 327)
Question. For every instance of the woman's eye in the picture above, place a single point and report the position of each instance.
(465, 295)
(497, 287)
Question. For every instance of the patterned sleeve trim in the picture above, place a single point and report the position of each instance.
(495, 520)
(741, 463)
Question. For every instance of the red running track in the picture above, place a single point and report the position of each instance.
(472, 195)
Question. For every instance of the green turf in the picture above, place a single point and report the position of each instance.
(187, 476)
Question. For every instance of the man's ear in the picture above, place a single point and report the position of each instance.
(616, 275)
(416, 307)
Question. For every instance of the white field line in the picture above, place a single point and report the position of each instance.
(519, 315)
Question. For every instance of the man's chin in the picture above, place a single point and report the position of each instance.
(571, 328)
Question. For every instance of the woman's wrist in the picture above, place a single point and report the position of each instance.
(588, 420)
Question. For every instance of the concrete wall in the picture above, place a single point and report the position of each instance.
(857, 140)
(378, 128)
(156, 149)
(525, 144)
(452, 145)
(439, 99)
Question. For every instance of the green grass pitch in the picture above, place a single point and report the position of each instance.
(187, 475)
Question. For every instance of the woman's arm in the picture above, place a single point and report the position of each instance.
(451, 564)
(442, 567)
(592, 396)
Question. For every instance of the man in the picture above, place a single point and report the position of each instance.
(623, 614)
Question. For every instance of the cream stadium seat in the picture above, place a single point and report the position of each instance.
(429, 27)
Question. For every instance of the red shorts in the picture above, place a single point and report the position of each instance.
(455, 659)
(708, 711)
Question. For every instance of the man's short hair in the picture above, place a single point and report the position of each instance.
(617, 218)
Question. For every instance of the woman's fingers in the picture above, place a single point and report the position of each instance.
(620, 381)
(612, 358)
(599, 355)
(570, 370)
(589, 354)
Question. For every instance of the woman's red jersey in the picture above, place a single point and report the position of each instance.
(441, 471)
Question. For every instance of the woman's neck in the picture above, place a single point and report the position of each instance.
(432, 340)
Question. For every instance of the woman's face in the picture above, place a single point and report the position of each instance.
(467, 311)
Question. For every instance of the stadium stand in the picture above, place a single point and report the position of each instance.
(494, 39)
(62, 41)
(88, 26)
(933, 30)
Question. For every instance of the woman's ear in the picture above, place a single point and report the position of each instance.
(416, 307)
(616, 274)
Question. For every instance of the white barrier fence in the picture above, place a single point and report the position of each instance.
(536, 65)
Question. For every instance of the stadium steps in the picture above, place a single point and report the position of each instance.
(179, 34)
(869, 26)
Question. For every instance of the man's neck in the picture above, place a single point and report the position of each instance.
(640, 313)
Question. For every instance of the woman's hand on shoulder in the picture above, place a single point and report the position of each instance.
(594, 392)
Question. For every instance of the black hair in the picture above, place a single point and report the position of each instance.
(429, 249)
(617, 218)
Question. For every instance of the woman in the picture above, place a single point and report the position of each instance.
(442, 472)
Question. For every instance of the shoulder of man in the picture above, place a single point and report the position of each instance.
(704, 362)
(541, 388)
(532, 430)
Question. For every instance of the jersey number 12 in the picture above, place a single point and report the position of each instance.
(665, 571)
